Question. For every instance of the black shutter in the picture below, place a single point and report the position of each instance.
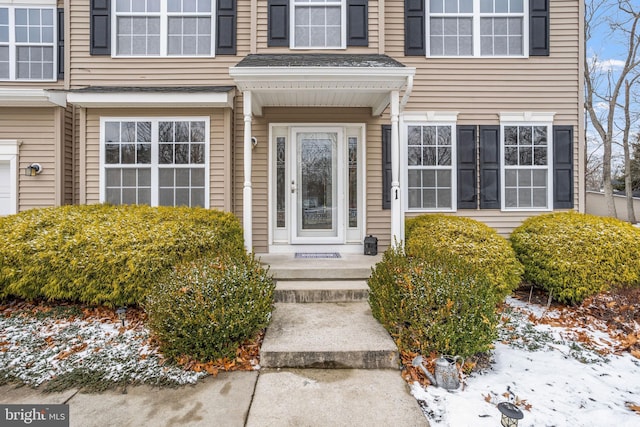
(467, 170)
(357, 23)
(414, 28)
(100, 23)
(386, 166)
(60, 46)
(563, 167)
(489, 167)
(226, 28)
(278, 17)
(539, 27)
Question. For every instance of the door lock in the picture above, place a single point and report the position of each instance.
(293, 187)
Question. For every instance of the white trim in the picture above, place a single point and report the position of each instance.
(153, 166)
(155, 100)
(549, 166)
(250, 75)
(310, 4)
(12, 44)
(409, 120)
(476, 16)
(164, 15)
(19, 97)
(9, 152)
(288, 245)
(431, 116)
(33, 3)
(527, 117)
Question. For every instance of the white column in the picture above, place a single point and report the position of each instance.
(397, 234)
(247, 190)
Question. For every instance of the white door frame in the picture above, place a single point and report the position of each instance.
(350, 239)
(9, 151)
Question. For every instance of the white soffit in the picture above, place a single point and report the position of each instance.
(31, 98)
(30, 2)
(155, 99)
(321, 86)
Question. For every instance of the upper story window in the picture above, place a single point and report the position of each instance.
(319, 23)
(163, 28)
(477, 28)
(27, 43)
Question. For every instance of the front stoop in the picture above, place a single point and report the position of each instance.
(322, 317)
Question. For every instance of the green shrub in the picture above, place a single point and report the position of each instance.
(574, 256)
(435, 236)
(443, 305)
(100, 254)
(207, 308)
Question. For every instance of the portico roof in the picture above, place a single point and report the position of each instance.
(158, 97)
(28, 97)
(321, 80)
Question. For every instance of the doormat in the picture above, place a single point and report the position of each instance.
(315, 255)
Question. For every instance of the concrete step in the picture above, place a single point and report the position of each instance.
(347, 267)
(314, 291)
(327, 335)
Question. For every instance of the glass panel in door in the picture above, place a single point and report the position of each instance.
(317, 184)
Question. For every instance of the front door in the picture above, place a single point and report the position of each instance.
(316, 186)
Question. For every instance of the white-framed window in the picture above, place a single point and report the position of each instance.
(470, 28)
(319, 24)
(163, 28)
(526, 166)
(28, 43)
(155, 161)
(430, 153)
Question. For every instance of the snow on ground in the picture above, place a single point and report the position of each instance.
(557, 378)
(34, 351)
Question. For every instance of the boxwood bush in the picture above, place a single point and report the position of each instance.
(443, 304)
(574, 256)
(436, 236)
(205, 309)
(100, 254)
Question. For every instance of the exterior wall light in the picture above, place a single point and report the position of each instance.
(254, 142)
(33, 169)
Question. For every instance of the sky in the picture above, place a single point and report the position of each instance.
(609, 49)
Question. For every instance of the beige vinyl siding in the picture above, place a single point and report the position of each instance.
(220, 178)
(481, 88)
(103, 70)
(373, 34)
(377, 221)
(36, 129)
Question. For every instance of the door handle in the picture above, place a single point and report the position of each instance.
(293, 187)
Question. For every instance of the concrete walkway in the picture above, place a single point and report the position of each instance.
(322, 320)
(286, 397)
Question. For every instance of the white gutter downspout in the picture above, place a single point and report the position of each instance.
(247, 189)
